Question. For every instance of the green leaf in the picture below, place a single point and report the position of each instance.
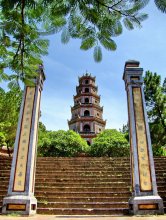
(108, 43)
(128, 24)
(3, 76)
(97, 54)
(136, 6)
(13, 84)
(87, 43)
(116, 29)
(65, 36)
(141, 17)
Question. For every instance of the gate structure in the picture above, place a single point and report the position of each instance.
(145, 199)
(20, 197)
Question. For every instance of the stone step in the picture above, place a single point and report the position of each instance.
(159, 168)
(91, 205)
(84, 180)
(81, 194)
(82, 199)
(84, 170)
(83, 159)
(83, 211)
(99, 176)
(86, 177)
(81, 185)
(87, 205)
(78, 189)
(75, 185)
(90, 186)
(160, 185)
(81, 169)
(76, 180)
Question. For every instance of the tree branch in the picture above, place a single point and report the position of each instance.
(112, 8)
(16, 54)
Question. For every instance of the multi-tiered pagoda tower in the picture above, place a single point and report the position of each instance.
(87, 114)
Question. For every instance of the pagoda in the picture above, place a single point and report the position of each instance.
(87, 114)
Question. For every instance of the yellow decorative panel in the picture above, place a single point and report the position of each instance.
(18, 207)
(23, 145)
(135, 78)
(142, 146)
(148, 206)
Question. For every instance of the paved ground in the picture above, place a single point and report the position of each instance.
(53, 217)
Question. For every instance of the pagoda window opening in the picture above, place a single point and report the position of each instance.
(86, 113)
(86, 90)
(86, 81)
(86, 100)
(86, 128)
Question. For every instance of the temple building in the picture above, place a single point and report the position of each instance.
(87, 114)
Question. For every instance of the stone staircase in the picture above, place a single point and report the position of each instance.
(83, 186)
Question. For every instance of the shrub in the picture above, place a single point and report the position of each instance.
(110, 143)
(61, 144)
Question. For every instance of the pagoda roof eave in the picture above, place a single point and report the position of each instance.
(91, 118)
(86, 94)
(87, 105)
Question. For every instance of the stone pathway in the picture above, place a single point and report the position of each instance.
(53, 217)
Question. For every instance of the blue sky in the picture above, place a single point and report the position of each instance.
(65, 63)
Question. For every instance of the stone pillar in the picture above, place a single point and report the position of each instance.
(20, 197)
(81, 127)
(145, 198)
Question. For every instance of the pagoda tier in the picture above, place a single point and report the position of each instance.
(87, 114)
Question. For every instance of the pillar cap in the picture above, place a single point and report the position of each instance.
(131, 65)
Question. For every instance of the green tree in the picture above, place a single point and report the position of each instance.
(9, 111)
(155, 96)
(2, 139)
(110, 143)
(61, 144)
(161, 5)
(125, 131)
(95, 22)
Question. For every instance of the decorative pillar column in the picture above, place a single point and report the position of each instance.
(145, 198)
(20, 197)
